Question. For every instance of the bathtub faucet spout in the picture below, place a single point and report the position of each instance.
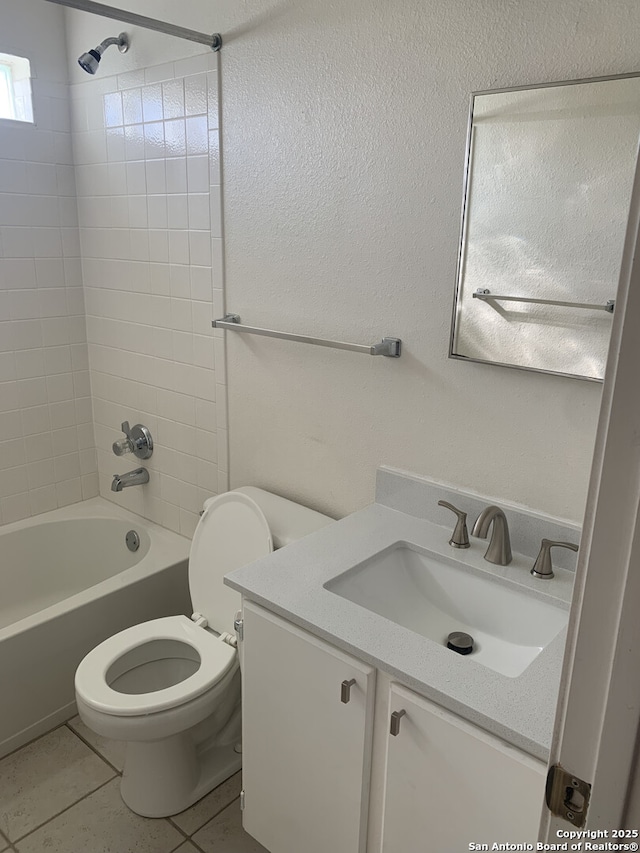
(132, 478)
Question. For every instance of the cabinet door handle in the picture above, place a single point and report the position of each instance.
(396, 716)
(345, 690)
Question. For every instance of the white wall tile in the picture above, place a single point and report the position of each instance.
(152, 108)
(173, 98)
(132, 106)
(142, 226)
(176, 175)
(195, 92)
(157, 73)
(200, 248)
(198, 174)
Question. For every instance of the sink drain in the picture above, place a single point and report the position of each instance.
(460, 642)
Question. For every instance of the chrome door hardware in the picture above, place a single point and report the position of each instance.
(543, 568)
(138, 441)
(567, 796)
(345, 690)
(394, 728)
(460, 535)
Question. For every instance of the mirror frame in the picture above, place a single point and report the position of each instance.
(463, 219)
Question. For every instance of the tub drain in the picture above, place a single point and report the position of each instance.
(133, 540)
(460, 642)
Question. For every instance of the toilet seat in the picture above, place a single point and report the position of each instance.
(216, 659)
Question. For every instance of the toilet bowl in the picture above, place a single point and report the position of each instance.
(170, 687)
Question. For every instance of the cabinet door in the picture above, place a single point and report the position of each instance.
(449, 783)
(306, 753)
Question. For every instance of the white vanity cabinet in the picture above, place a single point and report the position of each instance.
(449, 783)
(318, 778)
(306, 753)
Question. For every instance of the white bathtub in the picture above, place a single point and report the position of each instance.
(67, 582)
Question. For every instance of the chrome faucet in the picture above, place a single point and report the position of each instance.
(542, 568)
(138, 477)
(499, 550)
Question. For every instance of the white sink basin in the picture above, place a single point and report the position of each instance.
(433, 596)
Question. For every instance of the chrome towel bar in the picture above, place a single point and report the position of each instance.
(486, 294)
(391, 347)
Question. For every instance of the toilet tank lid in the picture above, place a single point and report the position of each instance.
(287, 520)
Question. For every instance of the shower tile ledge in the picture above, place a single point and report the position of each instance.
(519, 710)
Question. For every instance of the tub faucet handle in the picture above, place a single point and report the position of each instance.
(460, 535)
(124, 445)
(138, 441)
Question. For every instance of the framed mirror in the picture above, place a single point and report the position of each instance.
(548, 181)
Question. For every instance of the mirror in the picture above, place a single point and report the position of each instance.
(547, 190)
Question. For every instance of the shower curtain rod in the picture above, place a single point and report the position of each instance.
(213, 40)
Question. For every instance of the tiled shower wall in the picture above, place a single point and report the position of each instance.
(47, 456)
(146, 151)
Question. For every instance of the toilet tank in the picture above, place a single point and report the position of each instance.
(287, 520)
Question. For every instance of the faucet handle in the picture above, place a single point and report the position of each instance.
(124, 445)
(460, 535)
(543, 568)
(138, 441)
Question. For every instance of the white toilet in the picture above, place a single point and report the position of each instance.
(171, 687)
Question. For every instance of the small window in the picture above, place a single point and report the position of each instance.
(15, 88)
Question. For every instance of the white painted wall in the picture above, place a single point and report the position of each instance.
(343, 149)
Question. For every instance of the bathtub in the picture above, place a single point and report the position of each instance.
(67, 582)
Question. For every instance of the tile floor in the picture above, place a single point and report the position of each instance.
(61, 794)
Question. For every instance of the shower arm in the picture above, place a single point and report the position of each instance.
(109, 42)
(212, 40)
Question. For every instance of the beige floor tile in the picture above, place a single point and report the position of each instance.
(224, 834)
(112, 750)
(41, 779)
(101, 823)
(192, 819)
(187, 847)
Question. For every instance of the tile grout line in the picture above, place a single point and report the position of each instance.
(61, 812)
(33, 740)
(193, 843)
(209, 819)
(94, 749)
(169, 820)
(185, 837)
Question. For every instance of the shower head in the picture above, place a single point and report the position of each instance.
(89, 61)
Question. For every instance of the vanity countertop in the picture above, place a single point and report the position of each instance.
(290, 582)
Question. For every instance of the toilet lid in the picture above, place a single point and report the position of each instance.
(232, 533)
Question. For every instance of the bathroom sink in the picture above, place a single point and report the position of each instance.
(434, 596)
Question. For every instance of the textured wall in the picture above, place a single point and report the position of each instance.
(343, 149)
(47, 456)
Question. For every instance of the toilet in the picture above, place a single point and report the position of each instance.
(170, 687)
